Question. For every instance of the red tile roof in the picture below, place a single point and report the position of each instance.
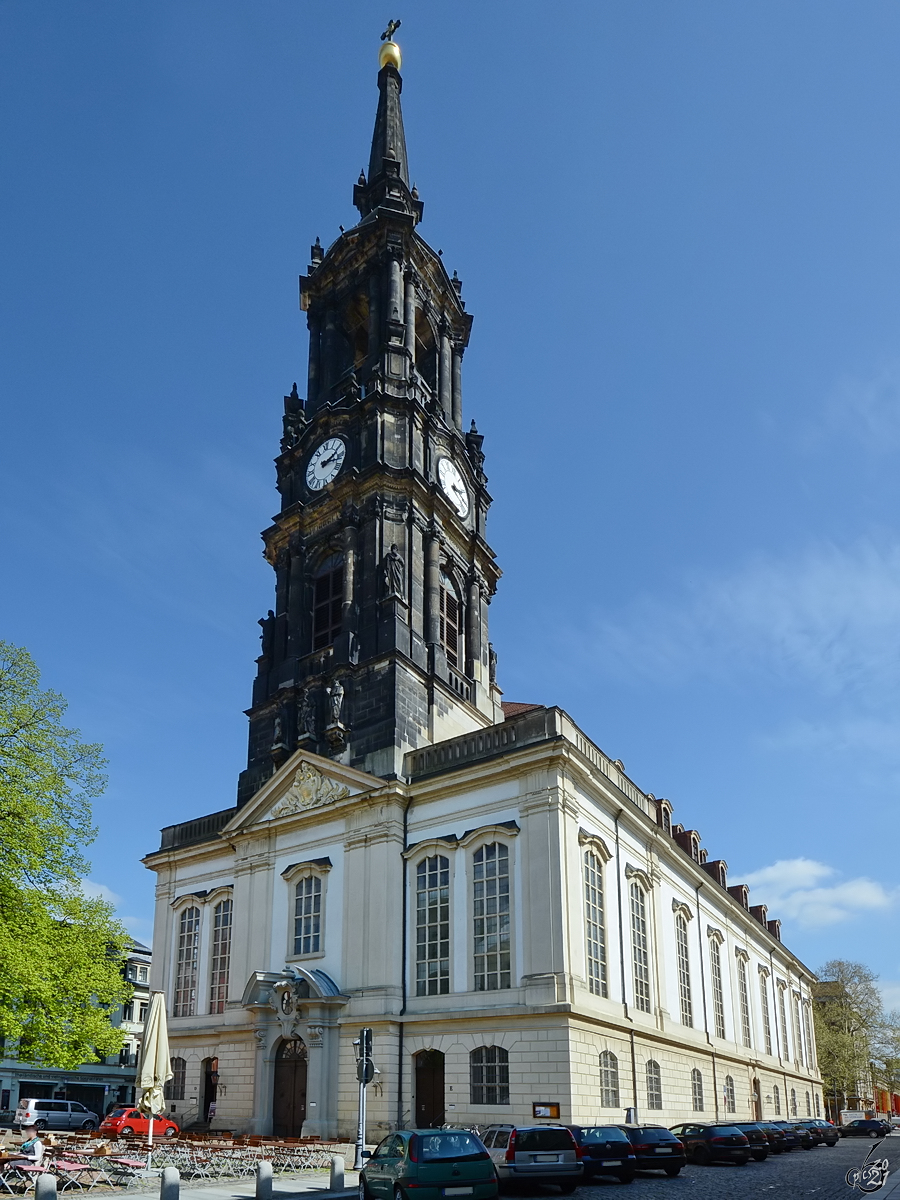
(513, 708)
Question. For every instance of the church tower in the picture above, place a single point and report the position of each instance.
(378, 642)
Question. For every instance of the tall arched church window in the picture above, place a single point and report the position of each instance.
(640, 948)
(744, 1000)
(793, 1102)
(595, 933)
(730, 1102)
(696, 1090)
(489, 1075)
(654, 1085)
(433, 926)
(185, 1004)
(776, 1096)
(221, 956)
(450, 611)
(764, 1006)
(308, 915)
(684, 970)
(609, 1080)
(782, 1014)
(491, 918)
(328, 594)
(715, 965)
(175, 1086)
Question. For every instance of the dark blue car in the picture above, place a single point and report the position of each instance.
(605, 1150)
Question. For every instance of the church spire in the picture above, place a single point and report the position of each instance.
(388, 177)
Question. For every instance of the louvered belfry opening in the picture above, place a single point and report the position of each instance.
(327, 600)
(450, 613)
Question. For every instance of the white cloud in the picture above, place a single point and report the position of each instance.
(867, 410)
(99, 891)
(799, 889)
(829, 616)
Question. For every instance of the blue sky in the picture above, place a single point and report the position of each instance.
(678, 231)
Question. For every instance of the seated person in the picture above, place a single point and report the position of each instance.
(31, 1150)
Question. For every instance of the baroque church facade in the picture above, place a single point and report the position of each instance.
(517, 922)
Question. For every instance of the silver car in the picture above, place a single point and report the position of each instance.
(55, 1114)
(535, 1153)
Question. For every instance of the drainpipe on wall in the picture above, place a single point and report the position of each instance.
(403, 967)
(634, 1099)
(697, 888)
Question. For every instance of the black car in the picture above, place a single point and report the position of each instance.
(605, 1150)
(870, 1129)
(823, 1132)
(775, 1136)
(655, 1148)
(759, 1142)
(705, 1143)
(795, 1136)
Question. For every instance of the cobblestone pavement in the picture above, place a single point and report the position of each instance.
(818, 1173)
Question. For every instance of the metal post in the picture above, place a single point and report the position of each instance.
(169, 1184)
(45, 1187)
(336, 1182)
(264, 1180)
(361, 1128)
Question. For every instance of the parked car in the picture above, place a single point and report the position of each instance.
(795, 1136)
(756, 1136)
(123, 1122)
(775, 1136)
(823, 1132)
(535, 1154)
(655, 1148)
(434, 1162)
(872, 1129)
(605, 1150)
(7, 1118)
(54, 1114)
(705, 1143)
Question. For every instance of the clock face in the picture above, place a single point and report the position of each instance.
(452, 484)
(327, 460)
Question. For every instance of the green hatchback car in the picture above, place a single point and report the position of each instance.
(429, 1164)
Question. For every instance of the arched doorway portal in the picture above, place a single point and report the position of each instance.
(756, 1097)
(429, 1089)
(289, 1097)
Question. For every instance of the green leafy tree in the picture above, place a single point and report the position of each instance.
(61, 953)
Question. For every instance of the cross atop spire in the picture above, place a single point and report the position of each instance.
(387, 181)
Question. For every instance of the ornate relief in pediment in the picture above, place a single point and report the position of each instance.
(309, 789)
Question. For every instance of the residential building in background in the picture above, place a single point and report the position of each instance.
(98, 1085)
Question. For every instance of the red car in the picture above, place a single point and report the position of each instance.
(125, 1121)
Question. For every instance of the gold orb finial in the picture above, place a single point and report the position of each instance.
(389, 54)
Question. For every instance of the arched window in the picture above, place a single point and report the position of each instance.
(695, 849)
(785, 1048)
(595, 933)
(776, 1096)
(639, 948)
(609, 1080)
(764, 1007)
(221, 956)
(715, 965)
(186, 967)
(744, 998)
(798, 1040)
(175, 1086)
(696, 1090)
(328, 595)
(654, 1085)
(818, 1108)
(684, 969)
(793, 1102)
(489, 1075)
(433, 926)
(491, 918)
(730, 1105)
(308, 915)
(450, 611)
(808, 1105)
(808, 1033)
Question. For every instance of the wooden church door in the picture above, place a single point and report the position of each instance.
(289, 1097)
(429, 1089)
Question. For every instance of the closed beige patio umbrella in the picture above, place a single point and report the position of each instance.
(155, 1070)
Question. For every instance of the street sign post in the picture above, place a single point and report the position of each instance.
(365, 1073)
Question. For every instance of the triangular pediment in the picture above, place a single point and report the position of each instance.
(305, 782)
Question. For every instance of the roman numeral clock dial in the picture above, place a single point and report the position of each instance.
(325, 463)
(453, 487)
